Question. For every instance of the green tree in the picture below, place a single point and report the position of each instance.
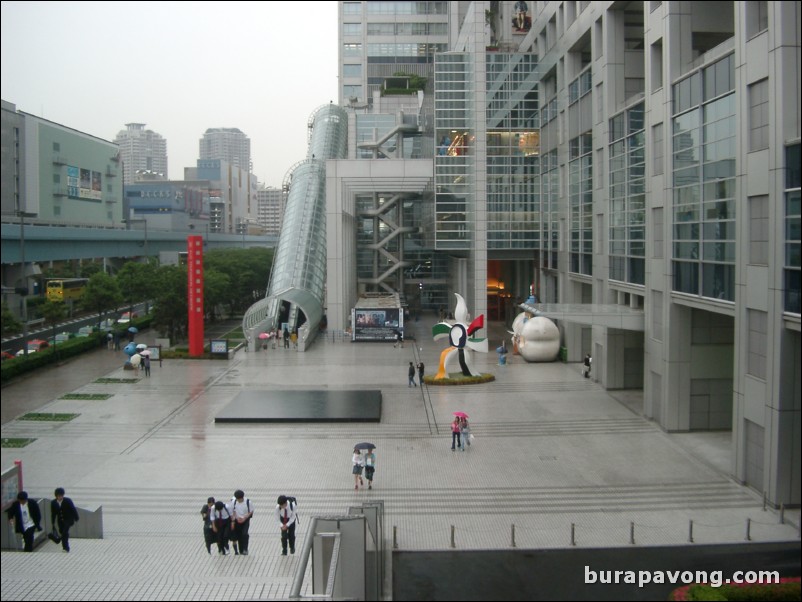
(54, 313)
(170, 301)
(10, 323)
(137, 282)
(102, 294)
(248, 271)
(215, 291)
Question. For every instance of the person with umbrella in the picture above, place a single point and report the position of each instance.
(465, 430)
(456, 430)
(358, 464)
(369, 460)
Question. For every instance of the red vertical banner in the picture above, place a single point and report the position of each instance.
(195, 294)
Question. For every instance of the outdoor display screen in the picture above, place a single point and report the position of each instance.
(376, 324)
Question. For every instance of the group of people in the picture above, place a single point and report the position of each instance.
(411, 373)
(277, 336)
(230, 522)
(26, 517)
(460, 433)
(366, 462)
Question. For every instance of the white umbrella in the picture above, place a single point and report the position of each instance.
(141, 346)
(145, 352)
(135, 359)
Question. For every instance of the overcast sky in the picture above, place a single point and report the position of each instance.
(180, 68)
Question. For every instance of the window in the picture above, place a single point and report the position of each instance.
(56, 147)
(657, 65)
(658, 155)
(352, 29)
(757, 18)
(759, 230)
(792, 229)
(759, 115)
(757, 322)
(352, 70)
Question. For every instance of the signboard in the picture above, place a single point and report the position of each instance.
(376, 324)
(218, 346)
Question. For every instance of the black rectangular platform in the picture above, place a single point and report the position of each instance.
(303, 406)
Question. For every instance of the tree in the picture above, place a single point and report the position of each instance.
(137, 282)
(170, 302)
(10, 323)
(248, 271)
(215, 291)
(54, 313)
(102, 294)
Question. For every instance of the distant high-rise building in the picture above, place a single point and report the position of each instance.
(270, 209)
(227, 144)
(141, 150)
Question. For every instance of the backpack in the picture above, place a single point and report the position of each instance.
(247, 503)
(292, 502)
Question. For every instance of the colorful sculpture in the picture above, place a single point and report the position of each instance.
(458, 354)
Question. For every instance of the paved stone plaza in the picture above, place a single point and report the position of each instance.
(551, 449)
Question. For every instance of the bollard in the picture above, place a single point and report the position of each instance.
(782, 513)
(395, 537)
(632, 533)
(453, 545)
(748, 529)
(690, 531)
(573, 534)
(512, 536)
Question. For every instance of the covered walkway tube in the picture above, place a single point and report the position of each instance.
(296, 291)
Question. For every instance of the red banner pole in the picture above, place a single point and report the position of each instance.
(195, 294)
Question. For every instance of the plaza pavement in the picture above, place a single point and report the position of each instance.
(552, 449)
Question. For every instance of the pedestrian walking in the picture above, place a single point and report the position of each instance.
(587, 363)
(207, 510)
(241, 513)
(370, 467)
(64, 515)
(26, 518)
(465, 433)
(421, 368)
(287, 518)
(146, 363)
(357, 465)
(286, 337)
(411, 373)
(221, 517)
(456, 430)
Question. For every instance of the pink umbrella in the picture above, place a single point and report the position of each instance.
(144, 352)
(461, 414)
(264, 335)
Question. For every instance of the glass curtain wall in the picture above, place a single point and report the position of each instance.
(792, 229)
(513, 149)
(454, 160)
(627, 196)
(704, 126)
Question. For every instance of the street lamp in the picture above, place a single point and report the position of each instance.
(23, 290)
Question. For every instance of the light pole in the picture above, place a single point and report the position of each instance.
(24, 288)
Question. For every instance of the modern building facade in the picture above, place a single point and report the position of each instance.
(229, 145)
(141, 151)
(270, 203)
(612, 159)
(232, 198)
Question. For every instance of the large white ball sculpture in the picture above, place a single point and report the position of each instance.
(539, 340)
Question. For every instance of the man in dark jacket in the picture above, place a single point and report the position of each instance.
(26, 518)
(63, 514)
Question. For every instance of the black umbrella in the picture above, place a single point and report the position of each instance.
(364, 446)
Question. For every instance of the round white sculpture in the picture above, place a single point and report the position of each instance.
(538, 340)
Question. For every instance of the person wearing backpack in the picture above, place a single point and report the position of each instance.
(287, 518)
(241, 513)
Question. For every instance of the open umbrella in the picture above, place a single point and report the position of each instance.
(141, 346)
(364, 446)
(135, 359)
(145, 352)
(264, 336)
(133, 329)
(461, 414)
